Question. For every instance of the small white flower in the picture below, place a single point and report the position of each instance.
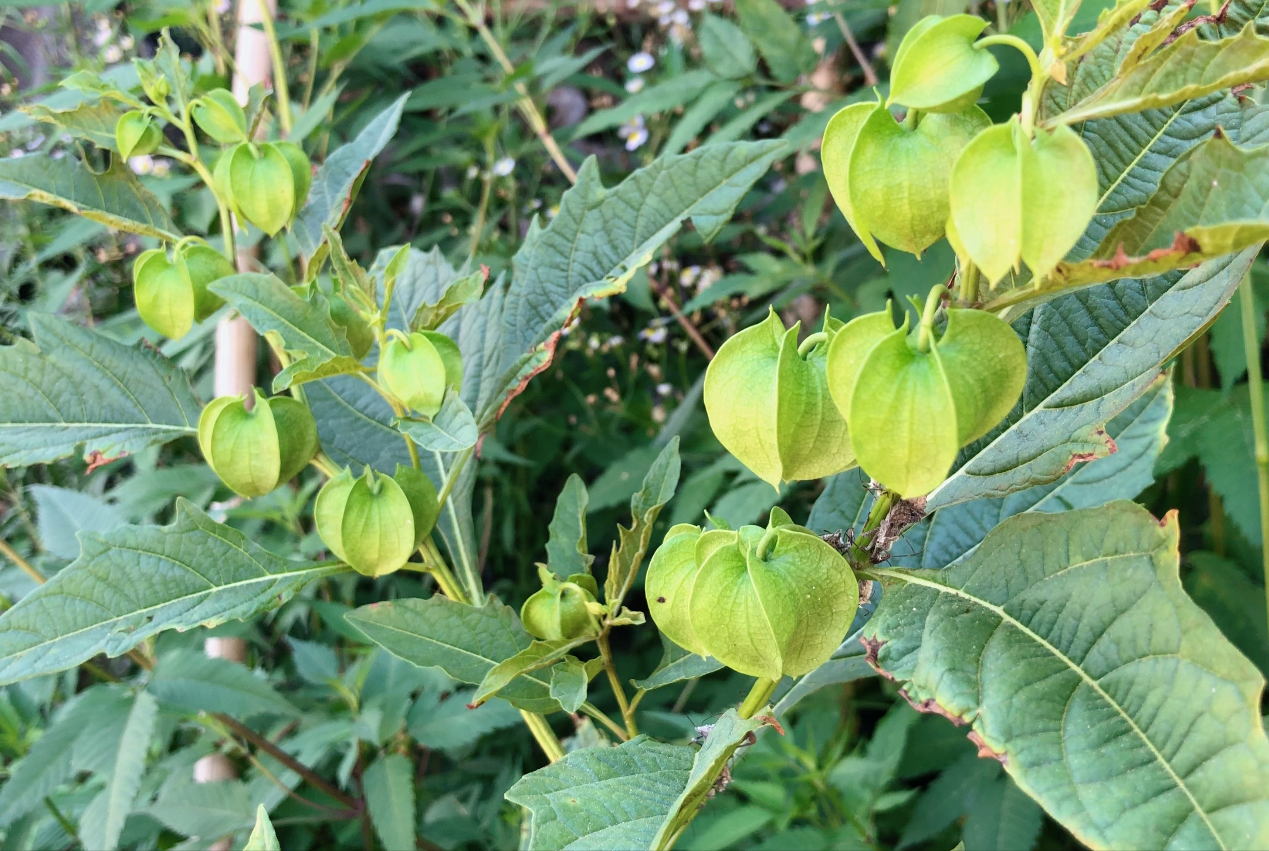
(553, 211)
(535, 204)
(614, 341)
(643, 61)
(17, 153)
(679, 17)
(653, 335)
(141, 165)
(127, 42)
(35, 143)
(417, 201)
(689, 275)
(665, 7)
(634, 85)
(162, 167)
(223, 6)
(472, 172)
(112, 54)
(665, 388)
(815, 19)
(636, 140)
(696, 5)
(503, 167)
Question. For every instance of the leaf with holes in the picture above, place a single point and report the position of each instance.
(1068, 645)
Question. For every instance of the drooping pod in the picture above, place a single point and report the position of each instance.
(891, 181)
(768, 403)
(937, 68)
(220, 116)
(1019, 199)
(254, 451)
(374, 522)
(668, 586)
(561, 609)
(136, 134)
(417, 369)
(261, 183)
(171, 293)
(913, 400)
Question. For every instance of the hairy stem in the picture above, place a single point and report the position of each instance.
(1247, 300)
(599, 715)
(27, 568)
(545, 736)
(757, 697)
(627, 711)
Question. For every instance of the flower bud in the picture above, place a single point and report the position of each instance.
(220, 116)
(937, 68)
(1015, 198)
(891, 181)
(669, 586)
(561, 610)
(301, 171)
(204, 265)
(375, 522)
(253, 452)
(769, 405)
(416, 372)
(154, 84)
(771, 603)
(136, 134)
(910, 410)
(262, 185)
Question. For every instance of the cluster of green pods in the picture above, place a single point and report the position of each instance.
(255, 450)
(562, 609)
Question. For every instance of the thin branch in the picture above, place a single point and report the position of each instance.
(664, 294)
(1247, 300)
(26, 566)
(870, 76)
(312, 777)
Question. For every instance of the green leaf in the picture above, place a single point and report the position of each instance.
(1138, 435)
(389, 790)
(568, 683)
(92, 121)
(337, 180)
(1002, 817)
(662, 97)
(104, 818)
(603, 798)
(716, 97)
(846, 665)
(538, 655)
(727, 734)
(677, 665)
(76, 387)
(193, 681)
(62, 513)
(115, 197)
(426, 280)
(566, 549)
(1089, 354)
(206, 811)
(193, 572)
(464, 641)
(782, 43)
(1212, 202)
(1237, 604)
(1124, 712)
(262, 837)
(319, 348)
(632, 543)
(453, 429)
(465, 290)
(1055, 16)
(1187, 68)
(1226, 446)
(450, 726)
(727, 51)
(621, 228)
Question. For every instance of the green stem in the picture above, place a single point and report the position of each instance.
(627, 711)
(26, 566)
(926, 336)
(545, 736)
(1247, 300)
(811, 342)
(765, 545)
(439, 568)
(1019, 45)
(969, 283)
(279, 70)
(757, 697)
(598, 714)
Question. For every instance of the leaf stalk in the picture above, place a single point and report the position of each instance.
(1255, 386)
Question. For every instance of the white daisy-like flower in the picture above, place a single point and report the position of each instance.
(814, 19)
(696, 5)
(653, 335)
(643, 60)
(162, 167)
(127, 42)
(473, 172)
(665, 388)
(141, 165)
(504, 166)
(665, 7)
(679, 17)
(635, 85)
(112, 54)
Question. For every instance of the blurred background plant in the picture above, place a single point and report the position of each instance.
(335, 720)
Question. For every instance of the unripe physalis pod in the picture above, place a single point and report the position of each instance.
(561, 610)
(768, 403)
(374, 522)
(171, 295)
(669, 586)
(255, 451)
(220, 116)
(890, 180)
(136, 134)
(153, 83)
(1020, 198)
(913, 400)
(417, 369)
(771, 602)
(261, 184)
(301, 171)
(937, 68)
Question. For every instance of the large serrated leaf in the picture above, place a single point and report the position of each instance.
(104, 818)
(74, 386)
(92, 121)
(1089, 354)
(191, 680)
(1187, 68)
(1068, 644)
(1139, 434)
(604, 798)
(194, 571)
(632, 543)
(318, 346)
(338, 178)
(464, 641)
(389, 789)
(115, 197)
